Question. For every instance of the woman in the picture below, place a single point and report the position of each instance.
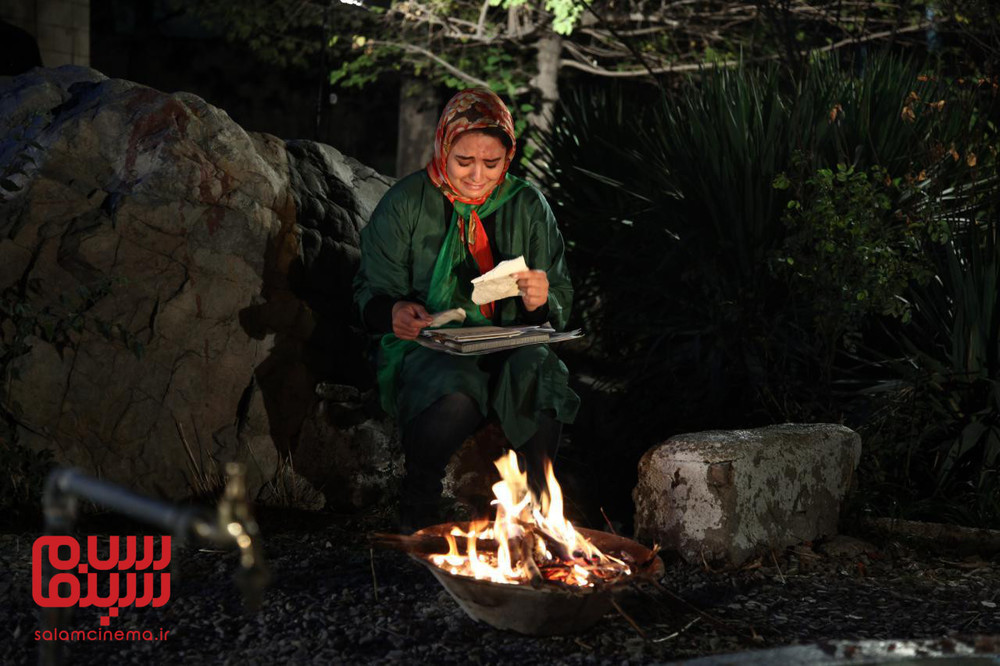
(431, 233)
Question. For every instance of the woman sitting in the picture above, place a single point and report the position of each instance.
(430, 235)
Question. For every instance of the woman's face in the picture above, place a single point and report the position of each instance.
(475, 164)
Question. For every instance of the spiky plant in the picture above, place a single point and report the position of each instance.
(673, 223)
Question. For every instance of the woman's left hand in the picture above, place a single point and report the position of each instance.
(534, 288)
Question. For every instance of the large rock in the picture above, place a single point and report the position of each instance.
(724, 495)
(350, 452)
(173, 287)
(471, 472)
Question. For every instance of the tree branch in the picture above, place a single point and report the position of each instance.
(635, 52)
(586, 53)
(629, 73)
(419, 14)
(694, 66)
(413, 48)
(628, 33)
(460, 29)
(869, 38)
(482, 18)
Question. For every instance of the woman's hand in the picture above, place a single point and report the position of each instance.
(408, 319)
(534, 287)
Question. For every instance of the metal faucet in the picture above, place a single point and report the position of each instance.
(232, 524)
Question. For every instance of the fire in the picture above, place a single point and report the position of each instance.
(529, 541)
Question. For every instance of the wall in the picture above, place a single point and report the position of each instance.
(61, 27)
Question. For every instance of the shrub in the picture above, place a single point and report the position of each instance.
(845, 257)
(674, 230)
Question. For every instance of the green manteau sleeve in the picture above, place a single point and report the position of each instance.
(386, 264)
(547, 251)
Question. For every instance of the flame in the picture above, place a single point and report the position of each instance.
(534, 542)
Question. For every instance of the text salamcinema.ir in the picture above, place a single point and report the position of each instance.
(105, 578)
(100, 635)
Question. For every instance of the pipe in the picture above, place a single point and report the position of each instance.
(74, 483)
(233, 524)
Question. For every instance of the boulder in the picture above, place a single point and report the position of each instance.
(171, 286)
(725, 495)
(350, 451)
(470, 475)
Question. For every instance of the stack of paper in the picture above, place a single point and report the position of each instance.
(487, 339)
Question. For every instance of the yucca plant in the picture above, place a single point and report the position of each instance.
(950, 363)
(886, 114)
(673, 225)
(683, 192)
(668, 211)
(598, 186)
(653, 191)
(945, 360)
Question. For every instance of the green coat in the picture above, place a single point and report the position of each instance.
(399, 248)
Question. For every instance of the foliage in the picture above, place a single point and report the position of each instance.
(945, 361)
(287, 33)
(950, 371)
(686, 191)
(675, 229)
(845, 257)
(684, 194)
(503, 44)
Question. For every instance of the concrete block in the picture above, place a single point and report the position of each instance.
(81, 15)
(57, 59)
(726, 495)
(81, 54)
(55, 13)
(55, 39)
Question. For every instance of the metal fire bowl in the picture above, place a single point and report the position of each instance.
(550, 609)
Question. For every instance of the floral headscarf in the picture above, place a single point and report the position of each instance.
(472, 109)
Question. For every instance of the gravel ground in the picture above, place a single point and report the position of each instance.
(326, 606)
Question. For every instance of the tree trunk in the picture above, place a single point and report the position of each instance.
(546, 82)
(419, 105)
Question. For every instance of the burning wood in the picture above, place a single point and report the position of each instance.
(421, 544)
(529, 542)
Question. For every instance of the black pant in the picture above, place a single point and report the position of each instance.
(431, 438)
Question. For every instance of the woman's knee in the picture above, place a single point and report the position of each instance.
(458, 405)
(457, 411)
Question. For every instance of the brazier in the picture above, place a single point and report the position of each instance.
(548, 609)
